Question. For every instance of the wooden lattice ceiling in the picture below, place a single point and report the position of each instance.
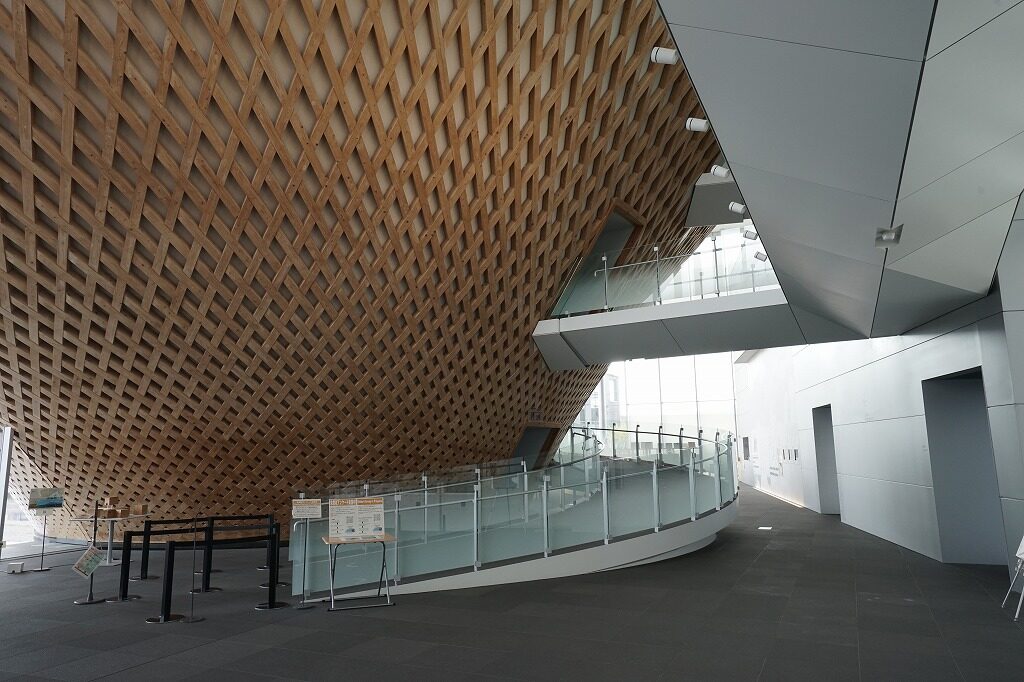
(249, 247)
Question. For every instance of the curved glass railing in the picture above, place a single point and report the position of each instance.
(653, 274)
(588, 495)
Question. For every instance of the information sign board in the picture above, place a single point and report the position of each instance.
(88, 562)
(45, 498)
(306, 508)
(358, 518)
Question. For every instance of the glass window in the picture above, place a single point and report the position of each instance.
(678, 382)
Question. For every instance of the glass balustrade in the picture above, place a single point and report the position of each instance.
(467, 519)
(725, 264)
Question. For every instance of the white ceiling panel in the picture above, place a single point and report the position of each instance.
(956, 18)
(882, 27)
(970, 101)
(822, 217)
(956, 199)
(834, 118)
(965, 258)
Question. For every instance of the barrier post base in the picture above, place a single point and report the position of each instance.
(89, 600)
(173, 618)
(267, 606)
(199, 590)
(137, 578)
(130, 597)
(266, 586)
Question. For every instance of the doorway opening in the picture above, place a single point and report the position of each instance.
(967, 506)
(825, 456)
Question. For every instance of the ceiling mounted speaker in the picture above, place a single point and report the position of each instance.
(720, 171)
(737, 207)
(664, 55)
(698, 125)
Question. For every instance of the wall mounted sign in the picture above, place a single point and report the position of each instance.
(357, 518)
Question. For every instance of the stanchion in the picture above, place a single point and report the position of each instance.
(303, 604)
(203, 569)
(207, 569)
(272, 602)
(91, 599)
(147, 526)
(192, 593)
(270, 531)
(126, 559)
(274, 559)
(165, 597)
(42, 547)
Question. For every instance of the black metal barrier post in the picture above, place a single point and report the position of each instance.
(147, 527)
(272, 602)
(270, 531)
(273, 559)
(165, 597)
(192, 618)
(207, 569)
(126, 559)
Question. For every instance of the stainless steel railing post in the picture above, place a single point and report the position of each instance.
(544, 511)
(693, 490)
(476, 526)
(717, 468)
(426, 509)
(657, 277)
(398, 536)
(604, 261)
(680, 447)
(604, 504)
(659, 443)
(613, 441)
(637, 442)
(654, 497)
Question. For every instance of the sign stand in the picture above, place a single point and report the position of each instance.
(303, 604)
(42, 547)
(1016, 574)
(91, 599)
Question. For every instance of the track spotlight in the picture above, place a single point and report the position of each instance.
(761, 256)
(750, 234)
(697, 125)
(720, 171)
(737, 207)
(664, 55)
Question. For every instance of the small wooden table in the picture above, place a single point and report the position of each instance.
(332, 546)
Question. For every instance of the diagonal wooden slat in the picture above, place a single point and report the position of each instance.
(251, 247)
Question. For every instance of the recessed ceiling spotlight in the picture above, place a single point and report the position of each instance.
(761, 256)
(764, 527)
(750, 234)
(664, 55)
(720, 171)
(737, 207)
(886, 237)
(697, 125)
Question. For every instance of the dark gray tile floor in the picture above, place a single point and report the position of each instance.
(810, 599)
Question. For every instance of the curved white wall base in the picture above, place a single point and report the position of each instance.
(644, 549)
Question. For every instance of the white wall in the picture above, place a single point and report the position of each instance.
(881, 441)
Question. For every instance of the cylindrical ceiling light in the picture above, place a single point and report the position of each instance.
(664, 55)
(761, 256)
(750, 234)
(697, 125)
(720, 171)
(737, 207)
